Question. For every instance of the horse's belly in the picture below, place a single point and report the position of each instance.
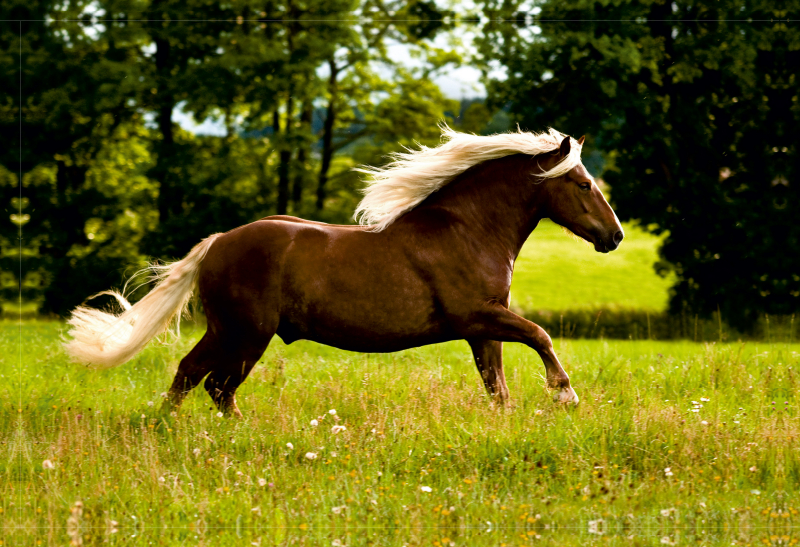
(377, 329)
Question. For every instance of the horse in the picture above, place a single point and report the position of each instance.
(430, 261)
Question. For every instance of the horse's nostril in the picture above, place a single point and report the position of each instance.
(618, 237)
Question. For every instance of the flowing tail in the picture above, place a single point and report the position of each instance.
(105, 340)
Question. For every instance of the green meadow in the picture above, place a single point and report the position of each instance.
(673, 443)
(557, 272)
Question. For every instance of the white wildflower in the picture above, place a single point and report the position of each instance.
(47, 464)
(704, 422)
(314, 423)
(694, 410)
(262, 482)
(426, 488)
(162, 480)
(597, 527)
(705, 399)
(290, 446)
(752, 469)
(219, 414)
(538, 413)
(668, 471)
(196, 451)
(150, 403)
(332, 412)
(338, 429)
(311, 456)
(338, 510)
(756, 492)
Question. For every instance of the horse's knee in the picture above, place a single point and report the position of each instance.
(541, 341)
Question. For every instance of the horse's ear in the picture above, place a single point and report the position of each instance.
(580, 141)
(564, 148)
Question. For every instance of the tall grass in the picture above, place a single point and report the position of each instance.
(633, 461)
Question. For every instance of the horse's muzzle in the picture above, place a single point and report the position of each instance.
(608, 244)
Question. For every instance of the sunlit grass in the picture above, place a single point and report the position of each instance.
(554, 272)
(424, 456)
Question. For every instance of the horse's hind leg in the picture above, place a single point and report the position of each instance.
(489, 360)
(228, 359)
(192, 369)
(241, 354)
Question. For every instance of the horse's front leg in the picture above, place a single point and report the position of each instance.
(498, 323)
(489, 360)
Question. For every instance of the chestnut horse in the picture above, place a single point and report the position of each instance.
(435, 264)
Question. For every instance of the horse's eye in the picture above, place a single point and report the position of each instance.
(584, 185)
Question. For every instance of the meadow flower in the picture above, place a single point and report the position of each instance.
(262, 482)
(337, 543)
(162, 480)
(538, 413)
(314, 423)
(196, 451)
(694, 409)
(338, 510)
(597, 527)
(752, 469)
(290, 446)
(426, 488)
(756, 492)
(311, 456)
(338, 429)
(704, 422)
(332, 412)
(667, 512)
(668, 471)
(219, 414)
(150, 403)
(47, 464)
(705, 399)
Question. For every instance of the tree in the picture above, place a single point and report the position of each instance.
(697, 119)
(77, 84)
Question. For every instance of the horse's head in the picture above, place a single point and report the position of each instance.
(576, 203)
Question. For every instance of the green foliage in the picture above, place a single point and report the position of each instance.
(416, 418)
(698, 121)
(109, 179)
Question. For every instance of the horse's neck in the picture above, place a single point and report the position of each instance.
(498, 200)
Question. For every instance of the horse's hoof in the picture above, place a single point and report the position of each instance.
(566, 396)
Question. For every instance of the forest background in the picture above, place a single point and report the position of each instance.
(690, 109)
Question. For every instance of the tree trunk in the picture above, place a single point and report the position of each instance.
(327, 136)
(283, 166)
(300, 175)
(169, 196)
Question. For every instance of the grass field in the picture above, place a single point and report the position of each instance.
(554, 272)
(424, 460)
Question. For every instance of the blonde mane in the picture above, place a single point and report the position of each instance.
(414, 175)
